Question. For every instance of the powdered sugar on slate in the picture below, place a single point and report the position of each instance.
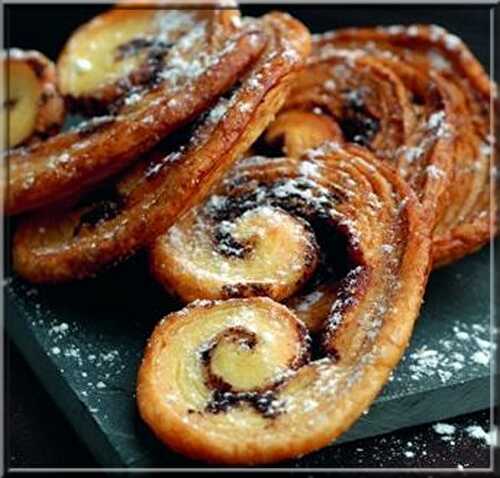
(444, 429)
(478, 433)
(63, 340)
(461, 346)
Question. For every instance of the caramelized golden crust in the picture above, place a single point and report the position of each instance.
(217, 374)
(262, 252)
(464, 213)
(73, 161)
(300, 130)
(382, 103)
(127, 48)
(33, 105)
(172, 179)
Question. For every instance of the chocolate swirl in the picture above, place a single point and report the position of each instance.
(146, 200)
(73, 161)
(386, 106)
(217, 373)
(118, 54)
(417, 98)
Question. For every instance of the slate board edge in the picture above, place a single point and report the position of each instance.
(408, 404)
(376, 423)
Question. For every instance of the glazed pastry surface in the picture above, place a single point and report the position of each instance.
(129, 213)
(233, 381)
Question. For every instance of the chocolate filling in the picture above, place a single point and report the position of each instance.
(37, 67)
(264, 400)
(315, 215)
(169, 150)
(103, 205)
(223, 397)
(233, 334)
(46, 96)
(339, 254)
(244, 290)
(357, 123)
(266, 403)
(157, 48)
(10, 103)
(228, 246)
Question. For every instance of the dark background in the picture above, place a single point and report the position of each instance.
(36, 433)
(46, 27)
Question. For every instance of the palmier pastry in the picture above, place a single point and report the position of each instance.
(32, 103)
(416, 97)
(383, 104)
(148, 199)
(232, 381)
(130, 47)
(203, 63)
(463, 225)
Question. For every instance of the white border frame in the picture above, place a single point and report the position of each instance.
(494, 327)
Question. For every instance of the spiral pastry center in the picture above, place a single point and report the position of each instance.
(305, 370)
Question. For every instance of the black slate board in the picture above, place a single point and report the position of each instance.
(85, 340)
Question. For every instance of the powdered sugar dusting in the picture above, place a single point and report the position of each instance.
(434, 172)
(444, 429)
(438, 124)
(461, 346)
(73, 354)
(477, 432)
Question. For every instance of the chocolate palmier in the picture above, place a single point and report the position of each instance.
(203, 62)
(384, 104)
(128, 48)
(33, 107)
(233, 381)
(218, 251)
(117, 221)
(463, 218)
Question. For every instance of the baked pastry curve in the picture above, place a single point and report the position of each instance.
(131, 211)
(418, 98)
(202, 62)
(232, 381)
(128, 49)
(34, 107)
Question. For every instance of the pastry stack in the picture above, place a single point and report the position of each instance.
(294, 191)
